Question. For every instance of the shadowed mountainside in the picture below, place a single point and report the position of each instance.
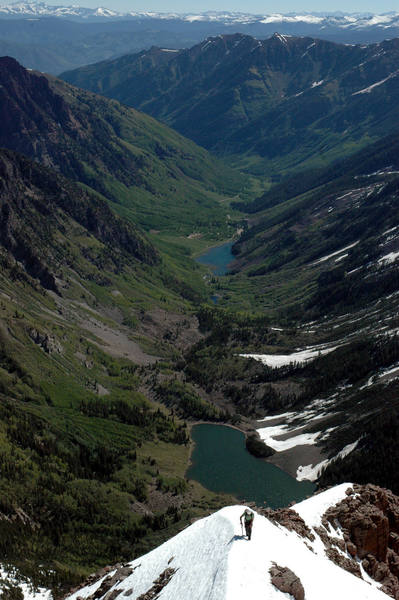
(152, 175)
(279, 103)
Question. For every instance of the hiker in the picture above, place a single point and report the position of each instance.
(248, 517)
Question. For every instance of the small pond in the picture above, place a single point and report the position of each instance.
(221, 463)
(218, 258)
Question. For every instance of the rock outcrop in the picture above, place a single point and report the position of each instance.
(369, 519)
(285, 580)
(289, 519)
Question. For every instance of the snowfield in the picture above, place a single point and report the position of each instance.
(311, 473)
(281, 360)
(213, 561)
(389, 258)
(337, 252)
(269, 435)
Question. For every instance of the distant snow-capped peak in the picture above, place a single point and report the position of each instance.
(41, 9)
(337, 20)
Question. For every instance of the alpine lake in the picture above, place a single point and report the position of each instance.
(221, 463)
(217, 258)
(220, 460)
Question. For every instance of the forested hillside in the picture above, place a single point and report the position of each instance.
(92, 468)
(276, 105)
(150, 174)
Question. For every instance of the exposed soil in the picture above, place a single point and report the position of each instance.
(117, 343)
(180, 330)
(290, 460)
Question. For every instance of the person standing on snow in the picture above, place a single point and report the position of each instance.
(248, 517)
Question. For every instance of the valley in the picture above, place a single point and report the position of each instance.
(271, 106)
(233, 263)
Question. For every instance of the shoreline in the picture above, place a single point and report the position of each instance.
(287, 460)
(208, 248)
(191, 424)
(231, 240)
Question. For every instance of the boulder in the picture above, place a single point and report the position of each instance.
(286, 581)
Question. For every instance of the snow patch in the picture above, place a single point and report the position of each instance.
(383, 373)
(313, 509)
(28, 590)
(270, 434)
(388, 258)
(281, 360)
(368, 89)
(324, 258)
(274, 417)
(311, 473)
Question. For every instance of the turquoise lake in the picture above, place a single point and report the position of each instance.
(221, 463)
(217, 258)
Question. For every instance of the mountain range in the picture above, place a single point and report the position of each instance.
(56, 38)
(114, 341)
(274, 105)
(338, 20)
(86, 301)
(145, 169)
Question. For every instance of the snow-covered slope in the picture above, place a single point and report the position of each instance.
(212, 560)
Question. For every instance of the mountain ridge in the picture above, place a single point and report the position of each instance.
(274, 105)
(83, 299)
(295, 551)
(55, 39)
(339, 19)
(127, 157)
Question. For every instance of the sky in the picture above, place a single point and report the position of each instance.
(249, 6)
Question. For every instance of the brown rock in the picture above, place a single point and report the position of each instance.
(351, 548)
(369, 518)
(159, 585)
(286, 581)
(344, 562)
(289, 519)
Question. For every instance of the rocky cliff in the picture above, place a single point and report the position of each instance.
(37, 207)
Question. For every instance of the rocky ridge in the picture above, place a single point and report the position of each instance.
(283, 97)
(357, 530)
(369, 520)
